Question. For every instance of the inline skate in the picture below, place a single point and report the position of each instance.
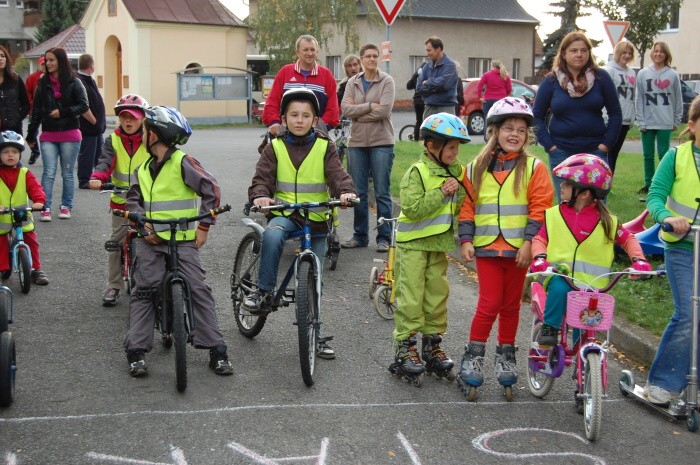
(470, 371)
(504, 367)
(407, 364)
(436, 361)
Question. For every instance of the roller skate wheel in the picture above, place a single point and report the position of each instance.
(691, 421)
(451, 376)
(508, 391)
(417, 381)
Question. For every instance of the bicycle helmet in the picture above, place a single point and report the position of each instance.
(509, 107)
(131, 102)
(444, 126)
(300, 93)
(169, 124)
(586, 171)
(11, 139)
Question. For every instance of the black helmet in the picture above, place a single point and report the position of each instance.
(300, 93)
(169, 124)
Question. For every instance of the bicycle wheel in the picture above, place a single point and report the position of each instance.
(243, 279)
(332, 248)
(373, 281)
(25, 270)
(8, 368)
(540, 385)
(4, 317)
(307, 319)
(592, 395)
(406, 133)
(128, 261)
(178, 304)
(382, 302)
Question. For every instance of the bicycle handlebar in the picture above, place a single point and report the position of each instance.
(299, 206)
(108, 187)
(140, 219)
(617, 275)
(381, 220)
(6, 210)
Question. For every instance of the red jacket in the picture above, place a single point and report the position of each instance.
(496, 87)
(9, 176)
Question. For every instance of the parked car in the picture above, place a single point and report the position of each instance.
(688, 95)
(258, 110)
(471, 110)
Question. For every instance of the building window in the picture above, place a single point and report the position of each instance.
(478, 66)
(4, 2)
(415, 62)
(333, 63)
(112, 8)
(673, 20)
(19, 4)
(193, 68)
(515, 74)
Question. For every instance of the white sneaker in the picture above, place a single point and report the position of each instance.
(657, 395)
(46, 215)
(64, 213)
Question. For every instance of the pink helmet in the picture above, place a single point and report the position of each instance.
(509, 107)
(131, 102)
(586, 171)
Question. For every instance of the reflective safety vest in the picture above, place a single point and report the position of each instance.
(306, 184)
(498, 211)
(587, 259)
(438, 221)
(685, 189)
(18, 199)
(168, 197)
(124, 167)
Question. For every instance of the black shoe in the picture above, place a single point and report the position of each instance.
(549, 336)
(84, 185)
(34, 156)
(137, 363)
(218, 361)
(257, 302)
(643, 191)
(110, 297)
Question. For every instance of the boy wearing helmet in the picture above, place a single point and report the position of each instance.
(182, 182)
(301, 155)
(123, 152)
(580, 233)
(17, 185)
(431, 194)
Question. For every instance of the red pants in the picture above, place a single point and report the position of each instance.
(500, 287)
(30, 240)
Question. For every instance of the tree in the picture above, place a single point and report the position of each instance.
(570, 11)
(646, 17)
(58, 15)
(277, 24)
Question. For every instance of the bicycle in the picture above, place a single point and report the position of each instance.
(305, 292)
(407, 133)
(340, 138)
(20, 255)
(8, 358)
(126, 247)
(591, 311)
(381, 284)
(172, 301)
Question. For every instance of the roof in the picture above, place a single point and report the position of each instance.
(71, 39)
(508, 11)
(204, 12)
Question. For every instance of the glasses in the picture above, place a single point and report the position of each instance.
(511, 130)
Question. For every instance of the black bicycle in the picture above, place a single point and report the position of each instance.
(173, 304)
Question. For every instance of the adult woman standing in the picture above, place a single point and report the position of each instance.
(59, 100)
(575, 92)
(497, 85)
(623, 78)
(14, 102)
(368, 101)
(658, 107)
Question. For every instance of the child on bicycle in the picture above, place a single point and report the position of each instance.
(181, 182)
(299, 165)
(509, 190)
(431, 194)
(672, 199)
(579, 234)
(123, 152)
(17, 184)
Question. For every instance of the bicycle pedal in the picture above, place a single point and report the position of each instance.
(112, 246)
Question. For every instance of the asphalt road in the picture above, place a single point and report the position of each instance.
(76, 404)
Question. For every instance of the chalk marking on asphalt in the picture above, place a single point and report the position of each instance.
(176, 454)
(409, 448)
(244, 408)
(482, 443)
(262, 460)
(10, 458)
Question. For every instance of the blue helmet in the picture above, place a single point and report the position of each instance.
(444, 126)
(169, 124)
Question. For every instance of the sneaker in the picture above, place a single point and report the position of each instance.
(549, 336)
(218, 361)
(657, 395)
(39, 277)
(46, 215)
(382, 246)
(109, 299)
(254, 302)
(137, 363)
(65, 213)
(352, 244)
(323, 350)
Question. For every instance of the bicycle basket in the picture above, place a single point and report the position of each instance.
(589, 310)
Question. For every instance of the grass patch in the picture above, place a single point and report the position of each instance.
(645, 303)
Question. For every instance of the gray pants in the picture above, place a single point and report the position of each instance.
(149, 270)
(435, 109)
(115, 279)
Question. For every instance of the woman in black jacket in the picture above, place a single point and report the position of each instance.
(59, 101)
(14, 102)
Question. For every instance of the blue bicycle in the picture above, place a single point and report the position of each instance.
(20, 255)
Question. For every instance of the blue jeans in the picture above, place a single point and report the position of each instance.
(377, 161)
(277, 231)
(90, 151)
(672, 360)
(558, 155)
(67, 152)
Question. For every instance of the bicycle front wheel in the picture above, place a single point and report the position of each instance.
(406, 133)
(307, 319)
(8, 368)
(25, 270)
(179, 308)
(4, 317)
(593, 395)
(243, 279)
(383, 304)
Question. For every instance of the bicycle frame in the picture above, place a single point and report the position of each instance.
(386, 277)
(17, 243)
